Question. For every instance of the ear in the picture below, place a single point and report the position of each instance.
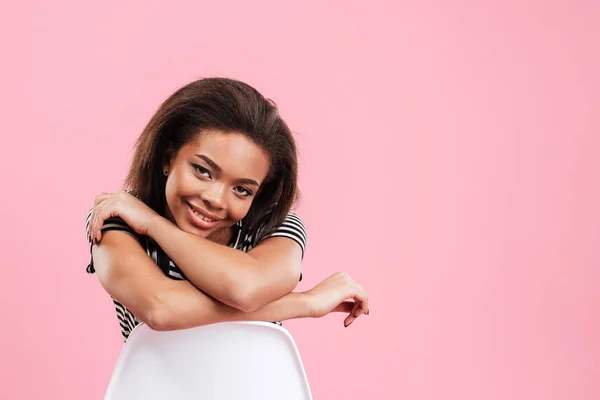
(168, 159)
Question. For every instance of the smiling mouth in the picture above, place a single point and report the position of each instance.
(200, 216)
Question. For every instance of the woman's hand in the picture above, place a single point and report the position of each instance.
(333, 295)
(121, 204)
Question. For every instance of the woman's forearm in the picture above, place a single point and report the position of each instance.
(218, 270)
(184, 306)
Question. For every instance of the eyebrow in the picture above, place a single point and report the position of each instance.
(216, 167)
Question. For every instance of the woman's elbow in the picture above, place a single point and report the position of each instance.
(158, 319)
(250, 296)
(245, 301)
(245, 298)
(250, 305)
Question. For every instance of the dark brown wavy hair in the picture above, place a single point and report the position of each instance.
(227, 105)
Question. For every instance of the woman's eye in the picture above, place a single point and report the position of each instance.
(201, 170)
(243, 191)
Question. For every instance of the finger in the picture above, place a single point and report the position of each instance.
(93, 220)
(107, 210)
(363, 298)
(98, 228)
(360, 301)
(359, 309)
(349, 319)
(344, 307)
(101, 197)
(359, 295)
(355, 313)
(92, 229)
(356, 310)
(99, 218)
(361, 306)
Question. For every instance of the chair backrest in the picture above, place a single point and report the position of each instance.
(232, 360)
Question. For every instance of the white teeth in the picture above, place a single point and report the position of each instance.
(203, 217)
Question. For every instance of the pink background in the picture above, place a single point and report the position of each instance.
(448, 163)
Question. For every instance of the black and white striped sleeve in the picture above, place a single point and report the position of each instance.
(292, 228)
(111, 224)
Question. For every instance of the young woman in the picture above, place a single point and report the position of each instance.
(210, 189)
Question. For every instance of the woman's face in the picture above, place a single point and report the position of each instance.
(212, 181)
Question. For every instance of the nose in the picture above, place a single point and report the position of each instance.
(214, 196)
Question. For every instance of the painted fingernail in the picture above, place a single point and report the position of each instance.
(345, 326)
(367, 312)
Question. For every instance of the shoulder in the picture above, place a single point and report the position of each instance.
(293, 224)
(292, 228)
(111, 224)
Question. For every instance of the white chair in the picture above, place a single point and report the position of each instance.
(232, 360)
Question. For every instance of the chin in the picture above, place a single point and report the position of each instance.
(188, 227)
(203, 234)
(194, 230)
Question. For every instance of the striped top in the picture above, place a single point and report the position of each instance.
(292, 228)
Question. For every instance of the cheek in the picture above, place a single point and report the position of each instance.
(181, 184)
(170, 195)
(238, 209)
(178, 185)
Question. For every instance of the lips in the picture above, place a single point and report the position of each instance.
(201, 218)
